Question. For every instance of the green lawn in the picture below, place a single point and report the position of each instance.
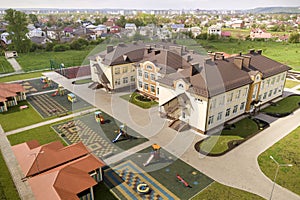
(217, 191)
(286, 105)
(291, 84)
(83, 81)
(41, 60)
(44, 134)
(7, 187)
(285, 53)
(286, 151)
(216, 144)
(5, 66)
(16, 118)
(132, 98)
(22, 76)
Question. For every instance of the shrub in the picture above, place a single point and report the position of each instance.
(61, 47)
(49, 46)
(79, 44)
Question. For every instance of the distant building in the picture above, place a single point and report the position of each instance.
(214, 29)
(177, 27)
(237, 24)
(10, 95)
(260, 34)
(130, 27)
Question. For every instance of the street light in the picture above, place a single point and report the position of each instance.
(277, 169)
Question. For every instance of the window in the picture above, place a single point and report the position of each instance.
(125, 70)
(222, 101)
(140, 84)
(157, 90)
(259, 97)
(262, 85)
(235, 108)
(132, 68)
(180, 86)
(242, 106)
(149, 67)
(198, 100)
(140, 72)
(146, 86)
(268, 83)
(211, 120)
(219, 116)
(132, 78)
(273, 80)
(238, 94)
(118, 82)
(265, 95)
(275, 91)
(227, 112)
(245, 92)
(146, 75)
(152, 77)
(278, 78)
(230, 97)
(125, 80)
(282, 78)
(270, 93)
(152, 88)
(117, 70)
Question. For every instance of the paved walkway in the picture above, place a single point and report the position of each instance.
(50, 121)
(23, 188)
(238, 168)
(15, 64)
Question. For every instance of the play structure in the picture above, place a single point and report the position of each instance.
(99, 118)
(182, 180)
(155, 153)
(72, 98)
(122, 132)
(47, 82)
(60, 91)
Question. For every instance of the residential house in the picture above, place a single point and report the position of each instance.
(196, 30)
(10, 95)
(130, 27)
(237, 24)
(259, 34)
(56, 172)
(177, 27)
(115, 29)
(40, 40)
(100, 29)
(214, 29)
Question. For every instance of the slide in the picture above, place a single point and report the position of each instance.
(45, 86)
(54, 94)
(183, 181)
(118, 136)
(149, 160)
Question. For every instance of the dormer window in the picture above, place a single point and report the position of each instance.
(149, 67)
(180, 86)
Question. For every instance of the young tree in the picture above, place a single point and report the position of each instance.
(17, 29)
(33, 18)
(294, 38)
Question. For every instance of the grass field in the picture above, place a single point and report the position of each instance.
(286, 105)
(16, 118)
(218, 144)
(285, 53)
(286, 151)
(5, 67)
(41, 60)
(218, 191)
(44, 134)
(7, 187)
(21, 76)
(291, 84)
(102, 192)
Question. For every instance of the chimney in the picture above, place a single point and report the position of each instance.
(238, 61)
(259, 51)
(189, 58)
(251, 51)
(109, 48)
(246, 61)
(240, 53)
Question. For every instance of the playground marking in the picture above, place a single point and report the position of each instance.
(133, 175)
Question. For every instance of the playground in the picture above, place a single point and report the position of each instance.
(98, 137)
(56, 103)
(163, 171)
(36, 85)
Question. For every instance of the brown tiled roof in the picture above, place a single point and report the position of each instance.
(42, 158)
(266, 66)
(9, 90)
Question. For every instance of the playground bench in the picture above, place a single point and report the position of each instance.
(23, 107)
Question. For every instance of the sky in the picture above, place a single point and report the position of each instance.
(149, 4)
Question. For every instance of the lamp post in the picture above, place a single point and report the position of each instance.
(276, 173)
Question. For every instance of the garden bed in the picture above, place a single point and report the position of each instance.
(230, 137)
(140, 100)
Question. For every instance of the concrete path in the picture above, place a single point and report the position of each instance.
(238, 168)
(15, 64)
(50, 121)
(23, 188)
